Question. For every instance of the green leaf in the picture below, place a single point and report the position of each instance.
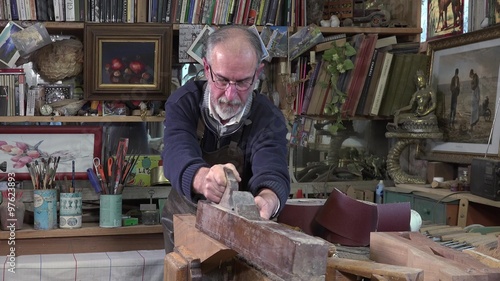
(349, 50)
(348, 64)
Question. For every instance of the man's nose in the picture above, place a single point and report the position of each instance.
(231, 91)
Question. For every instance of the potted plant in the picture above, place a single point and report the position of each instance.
(338, 62)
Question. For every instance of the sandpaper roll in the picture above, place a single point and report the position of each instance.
(300, 213)
(348, 221)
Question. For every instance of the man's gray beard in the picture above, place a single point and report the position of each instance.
(228, 112)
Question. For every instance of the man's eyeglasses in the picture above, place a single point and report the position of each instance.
(223, 84)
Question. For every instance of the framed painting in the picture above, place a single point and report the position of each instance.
(127, 61)
(22, 145)
(465, 78)
(446, 18)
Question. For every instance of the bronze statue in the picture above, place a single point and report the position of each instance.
(418, 115)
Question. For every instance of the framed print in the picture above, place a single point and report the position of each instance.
(127, 61)
(8, 51)
(20, 145)
(196, 48)
(446, 18)
(465, 77)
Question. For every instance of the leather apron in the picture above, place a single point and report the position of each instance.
(178, 204)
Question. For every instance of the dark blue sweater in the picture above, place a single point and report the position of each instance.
(265, 144)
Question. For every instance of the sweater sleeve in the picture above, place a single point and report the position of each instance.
(182, 155)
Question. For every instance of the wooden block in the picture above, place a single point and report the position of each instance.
(485, 259)
(372, 270)
(412, 251)
(442, 231)
(210, 252)
(440, 169)
(175, 268)
(194, 264)
(266, 244)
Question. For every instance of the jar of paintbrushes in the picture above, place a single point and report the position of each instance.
(43, 173)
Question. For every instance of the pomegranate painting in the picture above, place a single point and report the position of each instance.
(128, 62)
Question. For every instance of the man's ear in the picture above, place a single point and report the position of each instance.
(260, 68)
(205, 66)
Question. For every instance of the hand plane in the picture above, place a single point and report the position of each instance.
(240, 202)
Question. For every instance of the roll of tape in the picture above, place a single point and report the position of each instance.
(300, 213)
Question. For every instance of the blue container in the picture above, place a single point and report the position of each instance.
(45, 208)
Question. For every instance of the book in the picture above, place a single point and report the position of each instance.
(4, 101)
(382, 84)
(69, 6)
(253, 12)
(360, 72)
(393, 80)
(273, 11)
(302, 40)
(363, 98)
(311, 83)
(13, 9)
(141, 8)
(403, 80)
(374, 81)
(318, 91)
(320, 47)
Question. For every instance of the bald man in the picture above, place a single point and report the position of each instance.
(223, 124)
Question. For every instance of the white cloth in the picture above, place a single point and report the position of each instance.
(130, 265)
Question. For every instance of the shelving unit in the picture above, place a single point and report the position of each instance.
(93, 119)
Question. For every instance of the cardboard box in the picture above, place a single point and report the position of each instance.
(440, 169)
(141, 174)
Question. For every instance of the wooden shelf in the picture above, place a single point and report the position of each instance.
(87, 229)
(88, 119)
(89, 239)
(379, 30)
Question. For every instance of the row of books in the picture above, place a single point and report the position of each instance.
(246, 12)
(13, 92)
(381, 82)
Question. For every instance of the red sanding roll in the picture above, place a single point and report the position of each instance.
(300, 213)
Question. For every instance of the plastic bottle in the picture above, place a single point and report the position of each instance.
(379, 192)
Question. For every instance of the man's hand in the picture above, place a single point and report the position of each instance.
(211, 182)
(267, 201)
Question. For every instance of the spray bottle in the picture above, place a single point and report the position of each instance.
(379, 192)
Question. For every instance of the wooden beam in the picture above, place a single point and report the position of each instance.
(268, 245)
(372, 270)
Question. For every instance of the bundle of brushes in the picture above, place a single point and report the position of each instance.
(43, 172)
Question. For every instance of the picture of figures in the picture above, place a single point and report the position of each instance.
(445, 17)
(467, 83)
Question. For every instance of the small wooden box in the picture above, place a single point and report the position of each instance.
(440, 169)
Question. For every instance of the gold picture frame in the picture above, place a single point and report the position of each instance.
(127, 61)
(472, 51)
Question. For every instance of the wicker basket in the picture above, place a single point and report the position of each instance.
(59, 60)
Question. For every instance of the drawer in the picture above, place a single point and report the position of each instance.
(397, 197)
(433, 211)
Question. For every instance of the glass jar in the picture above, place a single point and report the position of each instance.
(12, 211)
